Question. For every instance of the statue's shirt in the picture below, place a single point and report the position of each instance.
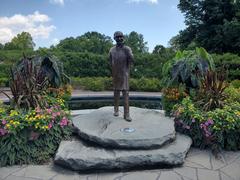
(120, 61)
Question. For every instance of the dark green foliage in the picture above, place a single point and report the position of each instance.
(148, 65)
(85, 64)
(20, 149)
(94, 65)
(231, 64)
(186, 67)
(212, 24)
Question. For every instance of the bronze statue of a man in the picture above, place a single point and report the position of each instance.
(121, 57)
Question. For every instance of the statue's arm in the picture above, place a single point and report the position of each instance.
(110, 58)
(130, 56)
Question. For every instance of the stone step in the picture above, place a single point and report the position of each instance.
(148, 129)
(80, 156)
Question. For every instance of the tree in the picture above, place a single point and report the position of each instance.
(1, 46)
(93, 42)
(136, 42)
(212, 24)
(159, 49)
(22, 41)
(166, 53)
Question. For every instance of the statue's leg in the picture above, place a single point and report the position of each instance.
(116, 102)
(126, 106)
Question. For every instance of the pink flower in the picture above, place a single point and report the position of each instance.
(54, 115)
(58, 113)
(50, 125)
(4, 122)
(49, 111)
(187, 127)
(38, 110)
(64, 122)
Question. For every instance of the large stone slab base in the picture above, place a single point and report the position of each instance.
(151, 129)
(80, 156)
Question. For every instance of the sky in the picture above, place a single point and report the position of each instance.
(49, 21)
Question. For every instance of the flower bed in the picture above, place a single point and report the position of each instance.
(32, 136)
(217, 128)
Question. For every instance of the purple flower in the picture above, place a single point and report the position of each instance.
(193, 120)
(210, 121)
(4, 122)
(187, 127)
(3, 132)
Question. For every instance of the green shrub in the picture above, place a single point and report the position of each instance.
(236, 83)
(231, 62)
(233, 94)
(5, 70)
(148, 84)
(92, 83)
(4, 82)
(21, 148)
(145, 84)
(105, 83)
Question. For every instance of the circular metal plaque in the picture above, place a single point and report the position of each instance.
(128, 130)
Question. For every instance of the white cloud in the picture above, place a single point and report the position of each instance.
(150, 1)
(58, 2)
(55, 41)
(36, 24)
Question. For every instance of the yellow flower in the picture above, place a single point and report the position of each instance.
(13, 113)
(237, 113)
(2, 110)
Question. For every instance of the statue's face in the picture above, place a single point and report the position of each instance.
(119, 39)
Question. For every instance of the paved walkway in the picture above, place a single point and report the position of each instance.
(199, 165)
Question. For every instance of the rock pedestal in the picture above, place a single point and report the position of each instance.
(113, 143)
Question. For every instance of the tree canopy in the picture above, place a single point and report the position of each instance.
(22, 41)
(212, 24)
(93, 42)
(136, 42)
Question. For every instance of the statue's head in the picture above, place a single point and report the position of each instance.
(119, 38)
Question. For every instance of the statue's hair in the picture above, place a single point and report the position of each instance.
(118, 33)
